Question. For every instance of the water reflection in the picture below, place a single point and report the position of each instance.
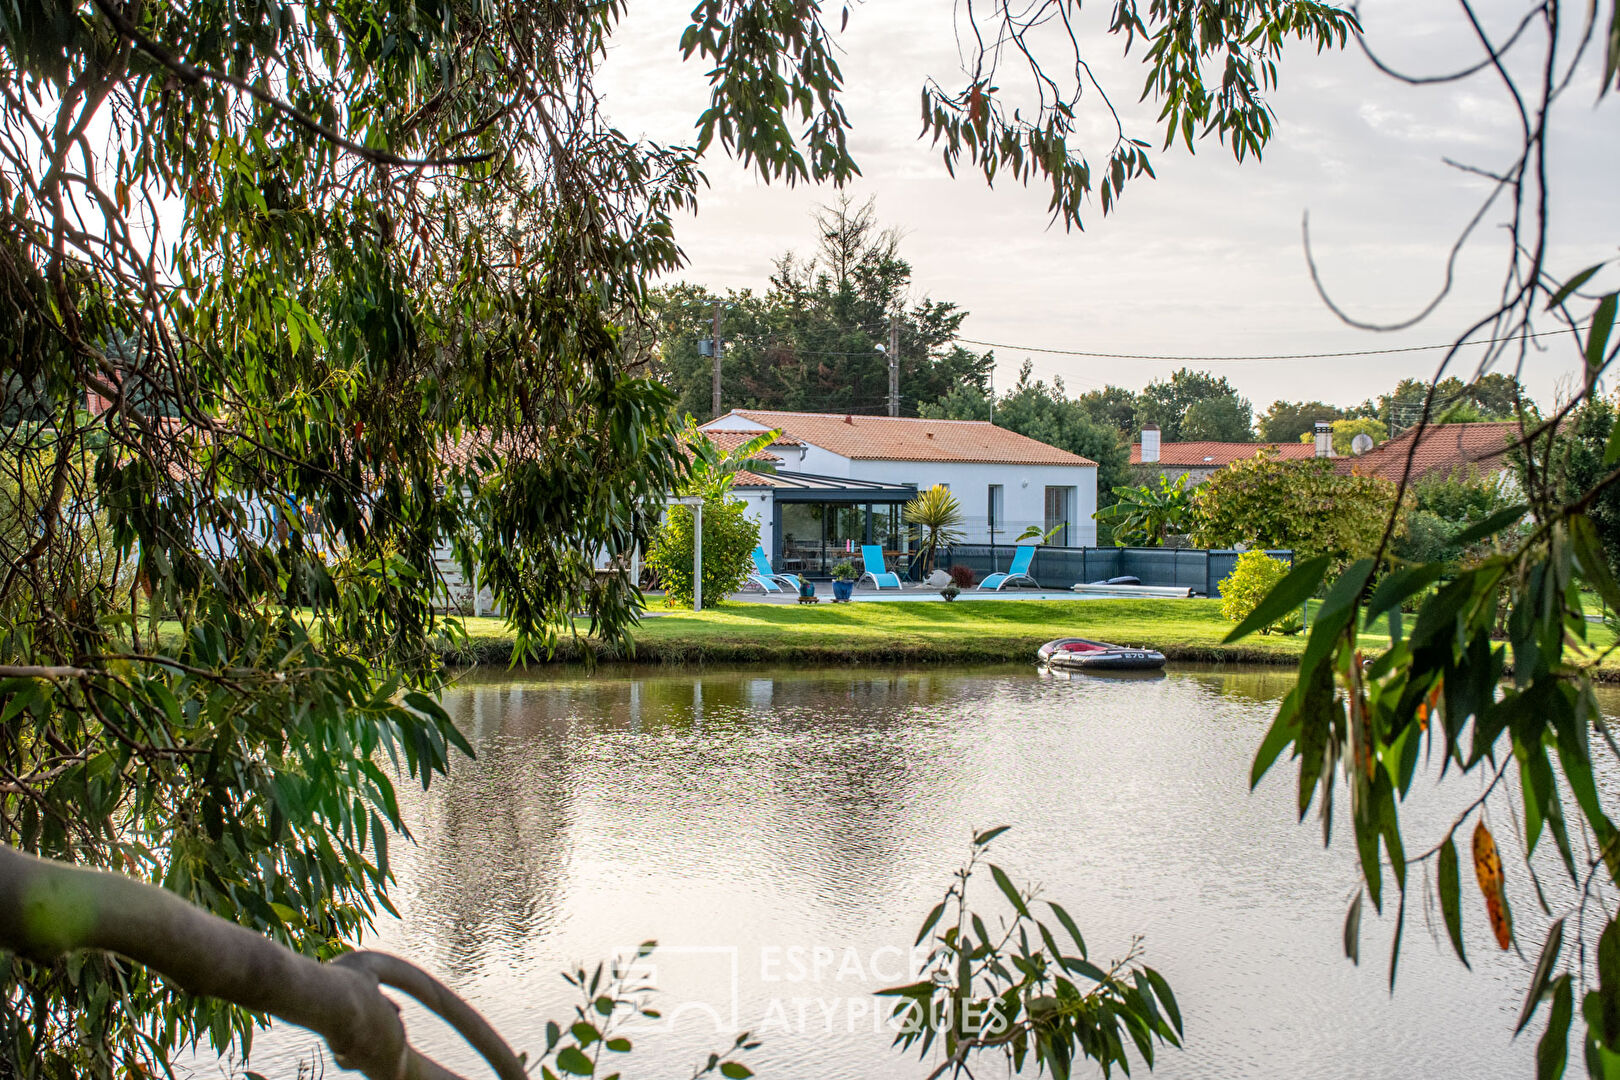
(755, 813)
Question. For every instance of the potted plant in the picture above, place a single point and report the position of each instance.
(843, 576)
(951, 591)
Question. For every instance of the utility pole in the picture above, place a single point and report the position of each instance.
(894, 364)
(992, 395)
(717, 350)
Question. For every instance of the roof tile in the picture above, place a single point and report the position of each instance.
(902, 438)
(1218, 454)
(1443, 449)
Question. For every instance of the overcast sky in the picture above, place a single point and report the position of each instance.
(1205, 260)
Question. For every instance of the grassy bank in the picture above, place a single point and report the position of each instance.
(987, 631)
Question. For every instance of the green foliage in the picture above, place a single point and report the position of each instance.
(1534, 741)
(1443, 507)
(1490, 397)
(81, 546)
(397, 247)
(729, 538)
(336, 314)
(1290, 421)
(1196, 405)
(1428, 538)
(1026, 988)
(938, 517)
(1112, 407)
(1218, 419)
(714, 471)
(1043, 411)
(1302, 506)
(1254, 576)
(1002, 136)
(612, 996)
(845, 571)
(1037, 534)
(1145, 516)
(1572, 461)
(816, 340)
(1346, 430)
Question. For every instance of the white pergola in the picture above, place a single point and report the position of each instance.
(696, 503)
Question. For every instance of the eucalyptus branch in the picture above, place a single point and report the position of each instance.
(193, 76)
(50, 909)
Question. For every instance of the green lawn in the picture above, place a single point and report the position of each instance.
(978, 631)
(981, 630)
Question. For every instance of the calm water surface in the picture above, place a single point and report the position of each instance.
(782, 834)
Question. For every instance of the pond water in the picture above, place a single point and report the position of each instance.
(782, 834)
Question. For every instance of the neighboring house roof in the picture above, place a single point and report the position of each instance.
(731, 438)
(1442, 450)
(902, 438)
(1215, 455)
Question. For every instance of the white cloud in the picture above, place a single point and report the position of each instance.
(1207, 259)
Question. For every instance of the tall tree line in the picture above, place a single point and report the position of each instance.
(817, 339)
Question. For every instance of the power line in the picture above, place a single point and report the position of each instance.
(1245, 359)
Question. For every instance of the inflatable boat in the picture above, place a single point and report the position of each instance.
(1079, 654)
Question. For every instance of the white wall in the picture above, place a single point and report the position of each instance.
(1023, 493)
(1023, 488)
(757, 508)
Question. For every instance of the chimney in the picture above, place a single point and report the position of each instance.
(1324, 439)
(1150, 443)
(848, 419)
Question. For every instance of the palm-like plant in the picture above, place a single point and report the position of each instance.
(1145, 515)
(938, 516)
(713, 470)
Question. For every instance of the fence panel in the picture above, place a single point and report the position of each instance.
(1060, 567)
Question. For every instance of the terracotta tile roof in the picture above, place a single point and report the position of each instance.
(1443, 449)
(891, 438)
(1192, 455)
(738, 436)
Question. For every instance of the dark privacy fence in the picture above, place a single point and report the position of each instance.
(1060, 567)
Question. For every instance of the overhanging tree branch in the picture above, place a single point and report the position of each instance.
(49, 909)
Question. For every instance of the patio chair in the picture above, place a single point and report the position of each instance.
(766, 578)
(1019, 569)
(881, 575)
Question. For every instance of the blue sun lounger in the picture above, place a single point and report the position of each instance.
(1018, 569)
(768, 579)
(881, 575)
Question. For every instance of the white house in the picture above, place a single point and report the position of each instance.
(842, 479)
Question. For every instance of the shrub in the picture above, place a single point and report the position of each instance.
(1428, 538)
(1145, 516)
(962, 576)
(1444, 506)
(728, 542)
(1304, 506)
(1255, 574)
(844, 571)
